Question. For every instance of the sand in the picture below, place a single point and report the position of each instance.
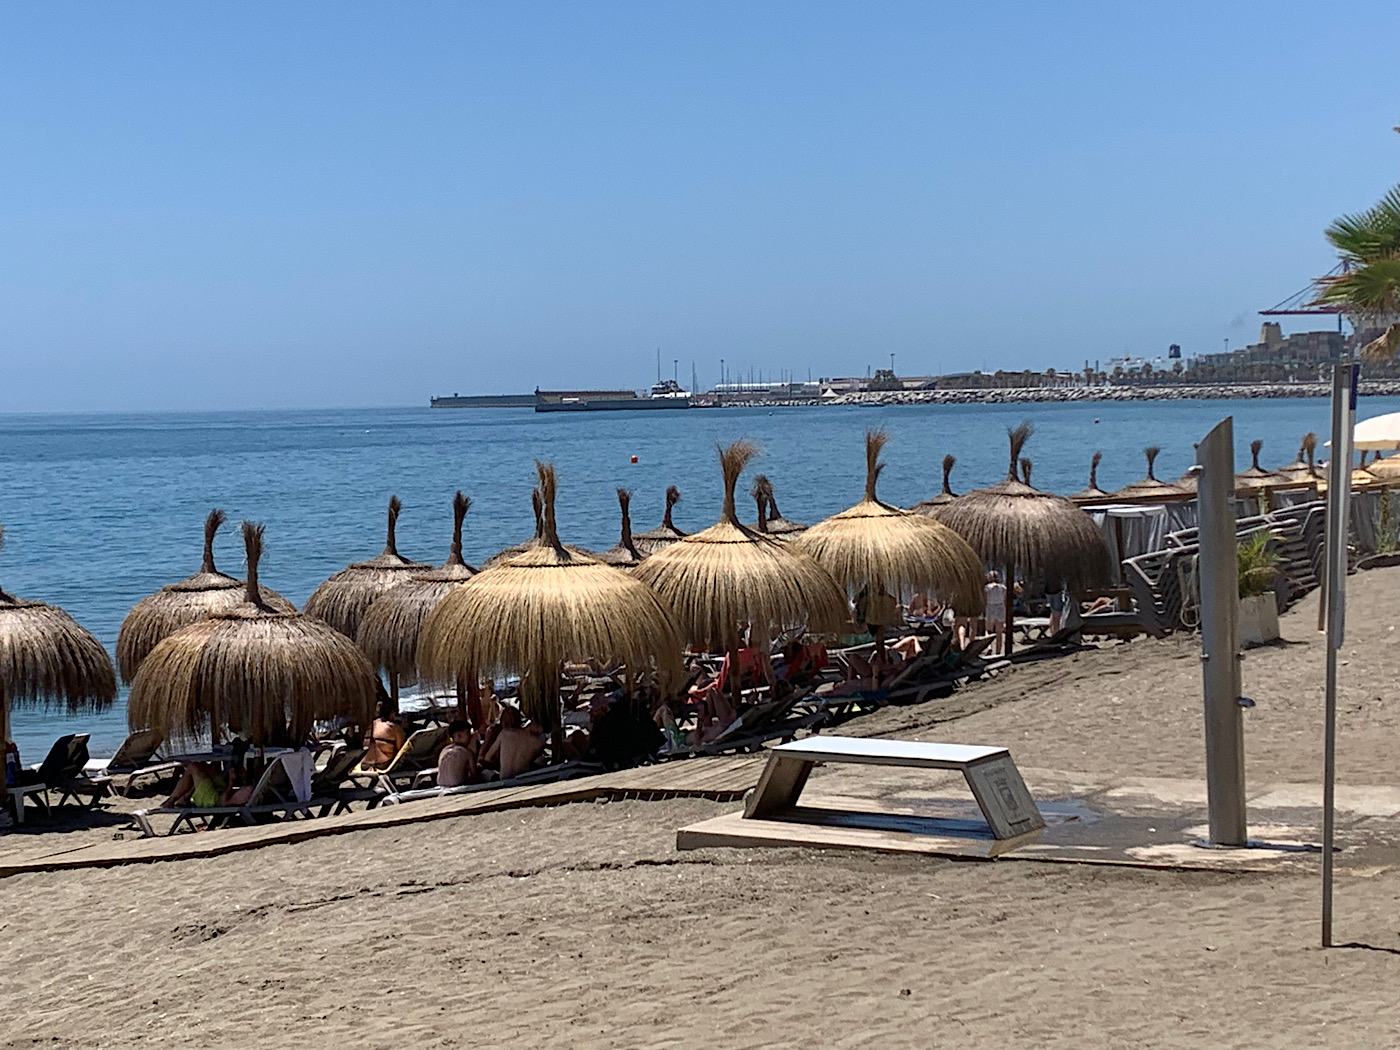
(582, 926)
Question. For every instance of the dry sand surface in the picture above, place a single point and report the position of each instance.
(581, 926)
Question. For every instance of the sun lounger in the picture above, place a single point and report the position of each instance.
(272, 796)
(62, 771)
(418, 753)
(136, 759)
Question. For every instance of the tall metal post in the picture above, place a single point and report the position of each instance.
(1345, 378)
(1220, 655)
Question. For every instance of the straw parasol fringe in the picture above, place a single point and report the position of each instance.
(945, 495)
(1015, 526)
(343, 599)
(875, 545)
(178, 605)
(625, 553)
(547, 605)
(253, 670)
(390, 629)
(1303, 470)
(664, 534)
(727, 574)
(46, 658)
(1091, 493)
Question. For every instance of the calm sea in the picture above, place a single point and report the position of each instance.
(101, 510)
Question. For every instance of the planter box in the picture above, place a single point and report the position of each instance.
(1258, 619)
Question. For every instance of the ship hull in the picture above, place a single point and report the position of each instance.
(629, 404)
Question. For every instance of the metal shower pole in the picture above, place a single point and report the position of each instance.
(1220, 654)
(1345, 378)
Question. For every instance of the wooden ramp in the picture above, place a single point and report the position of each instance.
(719, 779)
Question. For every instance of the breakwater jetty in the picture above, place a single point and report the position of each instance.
(1030, 395)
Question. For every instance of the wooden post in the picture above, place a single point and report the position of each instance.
(394, 690)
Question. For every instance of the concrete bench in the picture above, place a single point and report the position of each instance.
(773, 814)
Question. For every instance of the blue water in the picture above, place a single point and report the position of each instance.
(101, 510)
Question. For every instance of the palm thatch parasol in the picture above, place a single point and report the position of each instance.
(1014, 525)
(873, 545)
(1386, 468)
(777, 525)
(46, 657)
(625, 554)
(391, 626)
(946, 495)
(728, 575)
(253, 670)
(762, 495)
(1255, 478)
(1302, 472)
(180, 604)
(548, 605)
(341, 600)
(530, 544)
(664, 534)
(1091, 493)
(1149, 489)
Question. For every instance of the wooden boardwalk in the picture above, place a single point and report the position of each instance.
(720, 779)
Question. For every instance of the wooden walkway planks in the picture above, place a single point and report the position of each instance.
(722, 779)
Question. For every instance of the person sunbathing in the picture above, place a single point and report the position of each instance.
(516, 746)
(384, 738)
(457, 761)
(200, 785)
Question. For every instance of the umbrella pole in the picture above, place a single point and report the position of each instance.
(736, 686)
(1010, 606)
(462, 711)
(5, 747)
(394, 690)
(554, 698)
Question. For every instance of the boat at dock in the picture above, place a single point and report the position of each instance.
(667, 394)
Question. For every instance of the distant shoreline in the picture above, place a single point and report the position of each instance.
(1032, 395)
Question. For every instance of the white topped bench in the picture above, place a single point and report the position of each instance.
(772, 814)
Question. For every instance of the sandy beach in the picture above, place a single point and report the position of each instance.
(582, 926)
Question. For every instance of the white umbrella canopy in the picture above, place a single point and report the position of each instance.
(1378, 434)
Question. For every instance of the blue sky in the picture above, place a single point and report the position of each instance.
(267, 205)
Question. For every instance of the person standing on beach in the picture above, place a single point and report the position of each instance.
(994, 611)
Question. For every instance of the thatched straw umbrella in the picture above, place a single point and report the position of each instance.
(946, 495)
(47, 658)
(341, 600)
(777, 525)
(180, 604)
(1016, 526)
(762, 495)
(728, 575)
(390, 627)
(1303, 470)
(625, 554)
(527, 545)
(532, 613)
(1149, 489)
(252, 670)
(664, 534)
(1255, 479)
(877, 547)
(1091, 493)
